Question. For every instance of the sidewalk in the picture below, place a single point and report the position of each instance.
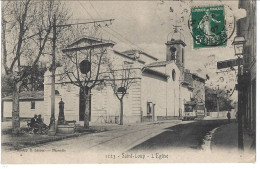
(10, 141)
(225, 139)
(24, 139)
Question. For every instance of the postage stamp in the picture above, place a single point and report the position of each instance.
(208, 26)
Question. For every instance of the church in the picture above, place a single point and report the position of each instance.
(160, 89)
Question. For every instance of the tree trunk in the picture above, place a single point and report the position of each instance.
(121, 112)
(87, 109)
(15, 110)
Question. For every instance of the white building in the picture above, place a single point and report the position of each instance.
(30, 103)
(157, 93)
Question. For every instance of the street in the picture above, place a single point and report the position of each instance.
(187, 136)
(165, 141)
(151, 137)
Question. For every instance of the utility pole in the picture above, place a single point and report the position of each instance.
(52, 130)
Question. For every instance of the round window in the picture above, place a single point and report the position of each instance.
(173, 74)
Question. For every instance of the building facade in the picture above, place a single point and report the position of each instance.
(247, 27)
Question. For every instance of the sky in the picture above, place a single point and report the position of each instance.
(147, 25)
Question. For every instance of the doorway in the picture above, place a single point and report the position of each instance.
(151, 111)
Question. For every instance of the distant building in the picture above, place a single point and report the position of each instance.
(30, 103)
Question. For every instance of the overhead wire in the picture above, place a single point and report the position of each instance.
(115, 32)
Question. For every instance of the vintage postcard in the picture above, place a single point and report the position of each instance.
(128, 81)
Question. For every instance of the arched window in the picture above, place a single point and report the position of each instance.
(57, 92)
(173, 74)
(173, 53)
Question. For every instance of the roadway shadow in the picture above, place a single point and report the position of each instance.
(183, 136)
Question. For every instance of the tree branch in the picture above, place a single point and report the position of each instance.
(21, 34)
(4, 45)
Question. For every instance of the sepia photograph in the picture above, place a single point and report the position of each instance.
(128, 81)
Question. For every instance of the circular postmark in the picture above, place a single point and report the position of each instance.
(211, 25)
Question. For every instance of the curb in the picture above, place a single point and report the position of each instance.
(206, 146)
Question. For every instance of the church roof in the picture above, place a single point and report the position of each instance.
(155, 72)
(28, 95)
(87, 42)
(191, 103)
(127, 56)
(178, 41)
(159, 63)
(133, 51)
(90, 40)
(198, 77)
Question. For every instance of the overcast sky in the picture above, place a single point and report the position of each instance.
(147, 24)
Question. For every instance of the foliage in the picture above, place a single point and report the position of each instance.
(212, 96)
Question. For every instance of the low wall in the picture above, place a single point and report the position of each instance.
(222, 114)
(114, 119)
(161, 118)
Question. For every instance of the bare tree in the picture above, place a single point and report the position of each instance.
(26, 26)
(83, 67)
(121, 80)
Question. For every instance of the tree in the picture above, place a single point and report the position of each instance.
(26, 26)
(83, 67)
(32, 82)
(121, 81)
(216, 98)
(34, 79)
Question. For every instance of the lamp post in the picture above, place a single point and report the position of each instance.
(238, 43)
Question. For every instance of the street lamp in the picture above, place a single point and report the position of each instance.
(239, 42)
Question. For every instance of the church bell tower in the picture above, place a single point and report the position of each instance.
(175, 51)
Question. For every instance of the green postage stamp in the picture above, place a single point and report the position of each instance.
(208, 26)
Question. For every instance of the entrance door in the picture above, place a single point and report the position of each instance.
(153, 112)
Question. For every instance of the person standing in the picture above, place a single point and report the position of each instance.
(228, 116)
